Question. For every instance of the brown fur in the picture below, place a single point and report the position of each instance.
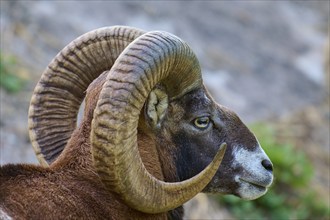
(70, 187)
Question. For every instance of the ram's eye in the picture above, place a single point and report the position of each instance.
(202, 122)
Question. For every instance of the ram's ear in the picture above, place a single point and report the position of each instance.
(156, 107)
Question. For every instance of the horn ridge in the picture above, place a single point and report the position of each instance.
(116, 142)
(65, 81)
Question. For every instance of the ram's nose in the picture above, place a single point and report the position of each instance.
(267, 165)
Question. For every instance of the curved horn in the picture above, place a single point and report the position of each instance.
(152, 58)
(61, 89)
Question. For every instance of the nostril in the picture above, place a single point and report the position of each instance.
(267, 165)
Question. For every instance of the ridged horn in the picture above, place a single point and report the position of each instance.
(150, 59)
(61, 89)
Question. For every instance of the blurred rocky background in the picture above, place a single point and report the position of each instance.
(266, 60)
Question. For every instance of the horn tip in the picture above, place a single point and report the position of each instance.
(221, 151)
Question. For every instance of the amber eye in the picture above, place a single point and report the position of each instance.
(202, 122)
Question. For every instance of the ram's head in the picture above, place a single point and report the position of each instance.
(151, 85)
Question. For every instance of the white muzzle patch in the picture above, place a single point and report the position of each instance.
(254, 179)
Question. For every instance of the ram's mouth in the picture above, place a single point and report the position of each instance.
(259, 185)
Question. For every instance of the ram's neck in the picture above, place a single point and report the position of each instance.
(149, 155)
(77, 154)
(76, 158)
(152, 155)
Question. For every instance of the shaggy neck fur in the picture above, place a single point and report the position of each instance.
(77, 158)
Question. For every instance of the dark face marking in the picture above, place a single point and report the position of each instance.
(196, 142)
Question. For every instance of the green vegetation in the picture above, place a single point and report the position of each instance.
(291, 195)
(9, 79)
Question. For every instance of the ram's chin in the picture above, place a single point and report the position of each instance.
(250, 191)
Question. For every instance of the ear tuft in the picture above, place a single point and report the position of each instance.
(156, 107)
